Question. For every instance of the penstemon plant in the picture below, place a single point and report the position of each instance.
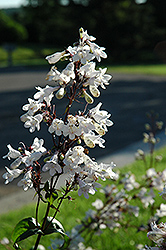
(69, 165)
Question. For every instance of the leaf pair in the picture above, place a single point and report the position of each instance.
(27, 227)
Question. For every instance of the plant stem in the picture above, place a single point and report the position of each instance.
(43, 225)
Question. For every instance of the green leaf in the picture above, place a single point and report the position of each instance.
(24, 229)
(53, 226)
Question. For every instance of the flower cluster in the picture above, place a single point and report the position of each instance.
(71, 134)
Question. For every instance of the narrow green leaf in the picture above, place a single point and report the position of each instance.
(24, 229)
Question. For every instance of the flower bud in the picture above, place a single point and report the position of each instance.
(88, 98)
(79, 141)
(60, 93)
(61, 156)
(94, 91)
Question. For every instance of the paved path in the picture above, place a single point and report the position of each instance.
(128, 98)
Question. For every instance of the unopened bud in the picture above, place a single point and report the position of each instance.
(94, 91)
(147, 126)
(61, 156)
(81, 30)
(88, 98)
(60, 93)
(79, 141)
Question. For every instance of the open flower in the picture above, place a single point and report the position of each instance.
(26, 182)
(158, 233)
(52, 165)
(12, 153)
(33, 122)
(10, 175)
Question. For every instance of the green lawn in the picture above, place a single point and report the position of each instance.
(71, 211)
(34, 55)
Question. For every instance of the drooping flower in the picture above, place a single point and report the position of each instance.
(45, 94)
(12, 153)
(10, 175)
(54, 58)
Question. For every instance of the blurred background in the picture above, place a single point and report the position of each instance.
(133, 31)
(134, 34)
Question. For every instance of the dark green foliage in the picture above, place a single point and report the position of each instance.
(11, 31)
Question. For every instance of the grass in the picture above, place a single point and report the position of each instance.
(147, 69)
(124, 238)
(33, 55)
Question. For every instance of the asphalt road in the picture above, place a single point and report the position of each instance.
(127, 98)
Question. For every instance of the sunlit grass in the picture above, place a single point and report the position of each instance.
(157, 69)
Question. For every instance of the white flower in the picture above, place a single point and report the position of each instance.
(85, 189)
(146, 198)
(53, 74)
(68, 73)
(32, 107)
(54, 58)
(151, 173)
(33, 122)
(45, 94)
(106, 171)
(91, 140)
(97, 51)
(34, 156)
(102, 78)
(37, 145)
(26, 182)
(158, 233)
(74, 157)
(12, 153)
(83, 54)
(72, 128)
(100, 117)
(162, 211)
(84, 35)
(52, 165)
(10, 175)
(56, 126)
(98, 204)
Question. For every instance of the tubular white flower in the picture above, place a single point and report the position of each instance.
(12, 153)
(91, 140)
(37, 145)
(158, 233)
(26, 182)
(10, 175)
(33, 122)
(56, 126)
(52, 165)
(54, 58)
(45, 94)
(32, 107)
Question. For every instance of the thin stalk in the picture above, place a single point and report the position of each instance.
(43, 225)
